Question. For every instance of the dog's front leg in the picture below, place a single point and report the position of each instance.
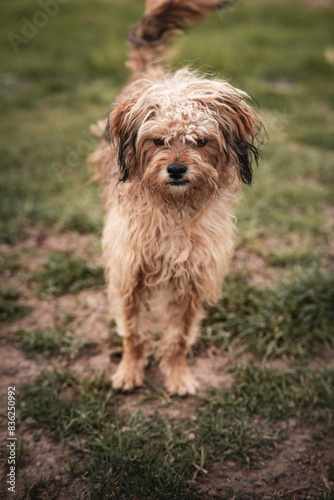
(130, 371)
(184, 316)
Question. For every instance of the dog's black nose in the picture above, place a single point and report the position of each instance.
(176, 170)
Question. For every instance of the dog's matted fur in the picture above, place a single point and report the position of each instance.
(176, 148)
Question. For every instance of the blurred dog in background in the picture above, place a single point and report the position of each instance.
(175, 150)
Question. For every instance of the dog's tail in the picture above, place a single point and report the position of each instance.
(163, 19)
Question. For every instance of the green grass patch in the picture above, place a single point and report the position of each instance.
(288, 256)
(262, 67)
(132, 455)
(304, 393)
(49, 97)
(289, 194)
(296, 318)
(48, 343)
(277, 53)
(9, 263)
(291, 257)
(62, 274)
(43, 178)
(80, 222)
(10, 310)
(9, 293)
(329, 495)
(122, 462)
(43, 486)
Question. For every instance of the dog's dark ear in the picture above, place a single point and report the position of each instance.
(121, 129)
(241, 128)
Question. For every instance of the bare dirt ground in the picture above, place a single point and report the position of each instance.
(293, 470)
(296, 468)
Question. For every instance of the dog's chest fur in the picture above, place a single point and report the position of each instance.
(165, 247)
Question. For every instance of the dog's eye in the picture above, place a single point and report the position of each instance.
(159, 142)
(201, 142)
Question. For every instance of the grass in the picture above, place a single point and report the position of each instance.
(294, 319)
(9, 263)
(52, 342)
(61, 96)
(133, 455)
(10, 310)
(59, 103)
(9, 293)
(298, 256)
(121, 463)
(50, 93)
(34, 491)
(20, 453)
(303, 393)
(62, 274)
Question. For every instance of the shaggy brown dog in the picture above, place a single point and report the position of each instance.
(176, 148)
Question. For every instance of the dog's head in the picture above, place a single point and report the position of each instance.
(184, 137)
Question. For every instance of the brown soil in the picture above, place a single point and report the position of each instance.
(295, 469)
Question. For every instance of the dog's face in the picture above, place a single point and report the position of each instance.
(184, 138)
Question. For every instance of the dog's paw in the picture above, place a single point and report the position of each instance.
(127, 377)
(181, 381)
